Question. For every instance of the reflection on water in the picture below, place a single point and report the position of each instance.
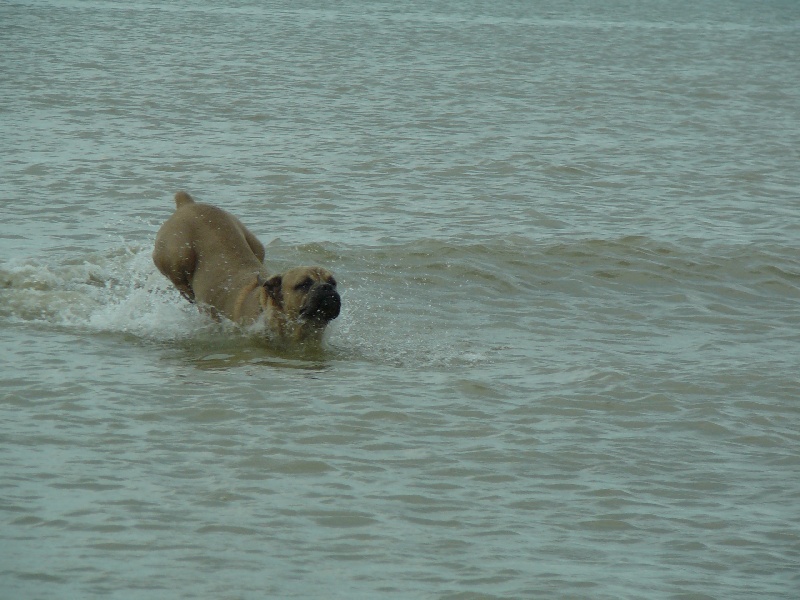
(307, 359)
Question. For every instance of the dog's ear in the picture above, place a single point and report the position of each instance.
(273, 288)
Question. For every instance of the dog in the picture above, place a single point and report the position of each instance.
(217, 263)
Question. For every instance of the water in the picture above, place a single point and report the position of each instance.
(566, 236)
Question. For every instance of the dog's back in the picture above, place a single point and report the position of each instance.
(202, 237)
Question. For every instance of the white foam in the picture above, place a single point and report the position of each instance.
(117, 292)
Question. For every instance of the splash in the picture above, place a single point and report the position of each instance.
(116, 292)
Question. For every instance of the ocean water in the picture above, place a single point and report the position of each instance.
(567, 237)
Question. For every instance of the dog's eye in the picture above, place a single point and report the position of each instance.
(332, 281)
(304, 285)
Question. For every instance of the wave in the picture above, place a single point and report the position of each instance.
(427, 301)
(511, 264)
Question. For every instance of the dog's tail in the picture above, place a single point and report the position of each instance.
(182, 198)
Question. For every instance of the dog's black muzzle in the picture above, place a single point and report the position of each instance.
(322, 303)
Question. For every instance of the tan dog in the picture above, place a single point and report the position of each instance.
(216, 262)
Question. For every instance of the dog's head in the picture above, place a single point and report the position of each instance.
(302, 301)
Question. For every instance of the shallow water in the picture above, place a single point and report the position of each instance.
(566, 238)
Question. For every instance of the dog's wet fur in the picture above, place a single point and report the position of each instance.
(217, 263)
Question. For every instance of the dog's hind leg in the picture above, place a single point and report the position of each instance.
(177, 264)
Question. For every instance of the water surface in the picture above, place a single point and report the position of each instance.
(566, 237)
